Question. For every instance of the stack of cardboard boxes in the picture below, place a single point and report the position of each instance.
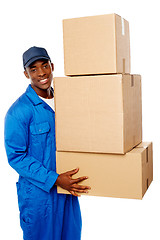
(99, 110)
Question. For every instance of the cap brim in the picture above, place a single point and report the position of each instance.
(32, 60)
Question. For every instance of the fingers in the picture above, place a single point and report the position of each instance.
(72, 172)
(80, 188)
(77, 180)
(75, 194)
(80, 179)
(75, 184)
(66, 181)
(80, 191)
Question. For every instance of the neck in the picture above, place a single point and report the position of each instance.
(45, 93)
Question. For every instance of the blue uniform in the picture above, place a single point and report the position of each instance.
(30, 146)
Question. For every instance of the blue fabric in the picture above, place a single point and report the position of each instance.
(31, 147)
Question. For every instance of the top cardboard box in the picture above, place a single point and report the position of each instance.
(96, 45)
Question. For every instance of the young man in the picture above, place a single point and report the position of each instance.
(30, 146)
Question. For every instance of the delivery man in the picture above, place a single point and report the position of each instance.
(30, 146)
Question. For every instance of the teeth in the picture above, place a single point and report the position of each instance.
(43, 80)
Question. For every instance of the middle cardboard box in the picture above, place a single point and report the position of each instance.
(100, 113)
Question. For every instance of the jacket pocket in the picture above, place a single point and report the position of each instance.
(40, 139)
(40, 133)
(25, 209)
(40, 128)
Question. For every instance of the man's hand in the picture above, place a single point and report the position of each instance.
(65, 181)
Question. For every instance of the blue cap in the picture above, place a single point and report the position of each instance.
(33, 54)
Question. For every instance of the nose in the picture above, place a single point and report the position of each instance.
(41, 72)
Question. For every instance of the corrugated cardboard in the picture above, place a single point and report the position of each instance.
(98, 113)
(111, 175)
(96, 45)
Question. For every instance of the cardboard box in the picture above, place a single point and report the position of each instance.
(98, 113)
(96, 45)
(111, 175)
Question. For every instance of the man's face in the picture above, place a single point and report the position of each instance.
(40, 74)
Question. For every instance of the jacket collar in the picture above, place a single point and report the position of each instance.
(33, 96)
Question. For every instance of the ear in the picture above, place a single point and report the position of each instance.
(52, 65)
(26, 74)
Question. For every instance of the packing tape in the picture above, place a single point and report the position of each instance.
(147, 153)
(123, 29)
(142, 146)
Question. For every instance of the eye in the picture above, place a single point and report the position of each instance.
(45, 66)
(33, 70)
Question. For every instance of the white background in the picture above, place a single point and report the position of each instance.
(27, 23)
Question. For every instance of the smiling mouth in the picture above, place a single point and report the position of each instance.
(43, 80)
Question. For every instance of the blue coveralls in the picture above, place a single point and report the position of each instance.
(30, 146)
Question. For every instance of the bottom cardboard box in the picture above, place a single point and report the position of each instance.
(111, 175)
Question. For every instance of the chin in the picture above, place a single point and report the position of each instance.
(45, 86)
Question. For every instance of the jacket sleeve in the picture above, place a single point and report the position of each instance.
(16, 144)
